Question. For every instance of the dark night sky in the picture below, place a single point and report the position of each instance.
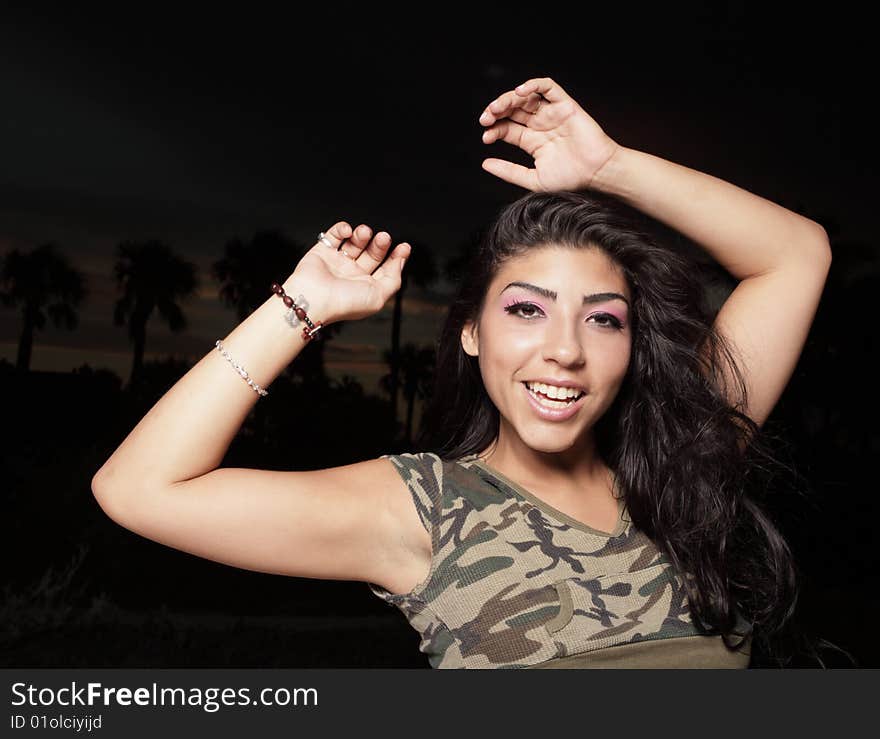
(196, 129)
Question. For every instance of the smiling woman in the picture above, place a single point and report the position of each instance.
(589, 492)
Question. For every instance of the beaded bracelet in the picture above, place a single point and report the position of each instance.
(297, 313)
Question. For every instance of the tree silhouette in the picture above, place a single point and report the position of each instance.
(420, 270)
(42, 282)
(416, 365)
(150, 276)
(246, 273)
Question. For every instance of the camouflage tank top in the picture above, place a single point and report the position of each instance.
(515, 583)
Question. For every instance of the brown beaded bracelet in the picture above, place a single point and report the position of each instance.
(297, 313)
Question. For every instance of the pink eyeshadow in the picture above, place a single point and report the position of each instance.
(621, 316)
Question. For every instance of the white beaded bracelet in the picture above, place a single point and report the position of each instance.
(240, 370)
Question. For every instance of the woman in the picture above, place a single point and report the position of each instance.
(585, 499)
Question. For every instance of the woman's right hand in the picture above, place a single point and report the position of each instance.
(353, 286)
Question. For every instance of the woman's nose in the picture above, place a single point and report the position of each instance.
(564, 345)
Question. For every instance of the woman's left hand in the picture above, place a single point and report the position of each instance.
(540, 118)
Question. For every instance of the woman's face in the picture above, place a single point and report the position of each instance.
(570, 326)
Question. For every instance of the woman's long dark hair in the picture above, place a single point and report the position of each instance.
(686, 459)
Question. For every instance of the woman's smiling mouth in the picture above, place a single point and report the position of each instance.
(553, 410)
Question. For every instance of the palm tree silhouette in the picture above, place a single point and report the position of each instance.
(416, 364)
(420, 270)
(38, 281)
(151, 276)
(246, 273)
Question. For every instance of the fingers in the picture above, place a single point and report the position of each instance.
(390, 273)
(529, 97)
(515, 174)
(509, 132)
(369, 253)
(353, 244)
(510, 105)
(357, 242)
(373, 251)
(544, 86)
(337, 233)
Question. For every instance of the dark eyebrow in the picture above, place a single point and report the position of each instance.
(551, 295)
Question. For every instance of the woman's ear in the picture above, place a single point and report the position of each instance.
(470, 339)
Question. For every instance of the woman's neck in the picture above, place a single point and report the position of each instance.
(575, 473)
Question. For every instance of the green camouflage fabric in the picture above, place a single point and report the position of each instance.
(514, 583)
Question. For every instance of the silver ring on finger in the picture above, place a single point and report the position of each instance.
(323, 237)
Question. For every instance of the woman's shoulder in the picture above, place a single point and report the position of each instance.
(429, 458)
(437, 475)
(425, 466)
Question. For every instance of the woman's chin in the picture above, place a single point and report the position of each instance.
(549, 442)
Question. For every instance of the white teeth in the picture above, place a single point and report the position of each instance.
(553, 391)
(549, 403)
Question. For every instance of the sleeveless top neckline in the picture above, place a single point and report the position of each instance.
(622, 517)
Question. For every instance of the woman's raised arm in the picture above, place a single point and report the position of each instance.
(780, 258)
(163, 481)
(189, 430)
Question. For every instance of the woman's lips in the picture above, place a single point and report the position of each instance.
(553, 414)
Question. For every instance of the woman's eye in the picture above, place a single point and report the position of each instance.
(517, 308)
(606, 319)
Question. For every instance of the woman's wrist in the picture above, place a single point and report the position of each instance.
(317, 302)
(608, 177)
